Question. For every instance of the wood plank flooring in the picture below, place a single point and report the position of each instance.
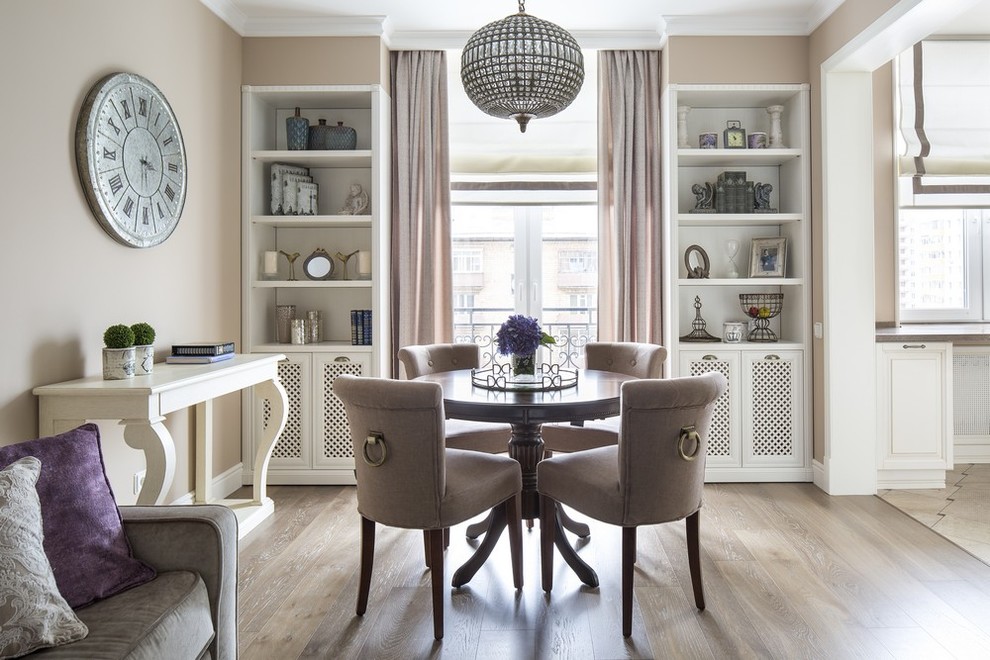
(789, 572)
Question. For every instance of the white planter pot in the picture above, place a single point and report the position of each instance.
(144, 360)
(118, 363)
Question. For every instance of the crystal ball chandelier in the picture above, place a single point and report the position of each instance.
(522, 68)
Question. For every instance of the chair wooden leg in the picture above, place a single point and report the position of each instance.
(446, 537)
(512, 514)
(693, 523)
(628, 558)
(436, 579)
(367, 562)
(426, 546)
(547, 523)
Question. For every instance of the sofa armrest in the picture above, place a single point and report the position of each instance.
(200, 538)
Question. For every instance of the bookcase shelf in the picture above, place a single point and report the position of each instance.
(315, 447)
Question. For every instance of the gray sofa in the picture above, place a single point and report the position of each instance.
(189, 610)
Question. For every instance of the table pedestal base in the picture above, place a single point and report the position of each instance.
(526, 446)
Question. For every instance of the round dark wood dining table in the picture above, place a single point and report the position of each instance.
(595, 396)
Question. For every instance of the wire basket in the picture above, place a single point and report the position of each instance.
(761, 307)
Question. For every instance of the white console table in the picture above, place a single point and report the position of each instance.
(141, 403)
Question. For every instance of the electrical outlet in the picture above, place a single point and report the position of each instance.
(139, 481)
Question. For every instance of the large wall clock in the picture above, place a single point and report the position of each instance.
(131, 160)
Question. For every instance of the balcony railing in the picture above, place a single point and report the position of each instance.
(480, 324)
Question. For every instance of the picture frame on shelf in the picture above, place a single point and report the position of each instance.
(768, 257)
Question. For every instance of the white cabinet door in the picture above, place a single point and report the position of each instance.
(772, 410)
(724, 440)
(914, 420)
(292, 450)
(332, 435)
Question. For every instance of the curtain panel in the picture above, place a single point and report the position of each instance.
(629, 197)
(422, 297)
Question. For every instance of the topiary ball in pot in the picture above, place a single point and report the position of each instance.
(144, 339)
(118, 354)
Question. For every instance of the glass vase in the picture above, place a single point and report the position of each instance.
(524, 365)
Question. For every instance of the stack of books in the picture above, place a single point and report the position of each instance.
(361, 327)
(733, 193)
(201, 352)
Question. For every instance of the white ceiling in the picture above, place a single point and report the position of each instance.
(448, 23)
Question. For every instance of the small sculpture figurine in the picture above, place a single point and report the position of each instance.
(344, 258)
(356, 202)
(699, 333)
(705, 198)
(696, 271)
(761, 198)
(292, 263)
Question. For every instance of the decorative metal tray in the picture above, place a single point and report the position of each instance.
(548, 378)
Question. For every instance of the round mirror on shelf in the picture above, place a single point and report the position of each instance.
(319, 265)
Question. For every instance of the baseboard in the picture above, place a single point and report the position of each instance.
(971, 449)
(305, 477)
(754, 474)
(222, 485)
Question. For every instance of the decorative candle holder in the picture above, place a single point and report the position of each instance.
(776, 137)
(283, 323)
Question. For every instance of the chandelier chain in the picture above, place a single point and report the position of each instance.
(522, 6)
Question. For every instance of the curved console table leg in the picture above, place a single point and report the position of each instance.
(278, 400)
(151, 437)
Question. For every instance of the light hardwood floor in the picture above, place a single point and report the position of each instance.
(789, 572)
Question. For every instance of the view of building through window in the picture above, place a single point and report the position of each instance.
(536, 260)
(932, 257)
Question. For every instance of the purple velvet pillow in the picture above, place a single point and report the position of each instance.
(84, 537)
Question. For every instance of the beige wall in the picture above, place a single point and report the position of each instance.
(315, 61)
(737, 60)
(850, 19)
(63, 279)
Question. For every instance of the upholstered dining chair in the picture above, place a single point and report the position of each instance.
(654, 474)
(423, 359)
(639, 360)
(407, 478)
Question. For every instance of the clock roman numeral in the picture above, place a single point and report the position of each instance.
(143, 106)
(169, 192)
(161, 212)
(145, 215)
(127, 111)
(110, 155)
(173, 167)
(167, 141)
(128, 207)
(157, 117)
(113, 125)
(116, 184)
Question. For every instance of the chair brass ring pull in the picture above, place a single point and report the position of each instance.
(688, 433)
(374, 439)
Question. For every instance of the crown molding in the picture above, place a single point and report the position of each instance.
(304, 26)
(717, 26)
(820, 11)
(228, 13)
(455, 39)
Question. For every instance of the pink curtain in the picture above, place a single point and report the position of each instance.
(629, 197)
(422, 297)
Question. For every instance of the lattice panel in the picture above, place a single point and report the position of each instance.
(336, 433)
(289, 444)
(773, 407)
(971, 393)
(719, 438)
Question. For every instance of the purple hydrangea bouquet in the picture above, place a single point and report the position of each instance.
(519, 337)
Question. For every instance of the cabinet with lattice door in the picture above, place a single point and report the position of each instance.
(757, 428)
(323, 257)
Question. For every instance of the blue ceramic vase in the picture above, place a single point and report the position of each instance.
(296, 132)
